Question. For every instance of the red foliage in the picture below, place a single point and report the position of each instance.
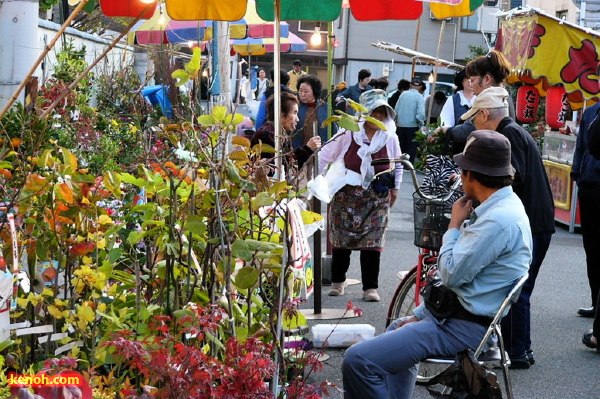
(175, 361)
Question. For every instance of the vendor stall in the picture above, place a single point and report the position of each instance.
(554, 57)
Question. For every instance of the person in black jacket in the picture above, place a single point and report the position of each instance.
(403, 85)
(490, 70)
(586, 172)
(490, 111)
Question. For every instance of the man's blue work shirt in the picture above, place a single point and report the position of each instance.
(483, 263)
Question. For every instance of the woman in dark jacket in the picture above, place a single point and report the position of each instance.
(289, 120)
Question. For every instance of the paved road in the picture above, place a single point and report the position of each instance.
(564, 368)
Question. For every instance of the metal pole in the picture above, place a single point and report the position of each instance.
(317, 255)
(278, 174)
(435, 69)
(329, 76)
(277, 92)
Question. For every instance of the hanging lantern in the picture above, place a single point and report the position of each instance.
(120, 8)
(557, 106)
(528, 101)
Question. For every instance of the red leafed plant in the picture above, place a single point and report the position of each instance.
(182, 361)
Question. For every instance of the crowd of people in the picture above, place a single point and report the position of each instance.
(500, 230)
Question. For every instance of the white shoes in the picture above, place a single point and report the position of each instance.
(337, 289)
(371, 295)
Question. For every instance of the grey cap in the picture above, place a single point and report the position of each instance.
(486, 152)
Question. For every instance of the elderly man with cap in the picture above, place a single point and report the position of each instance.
(478, 264)
(490, 111)
(410, 116)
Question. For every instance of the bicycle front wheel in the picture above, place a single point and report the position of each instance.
(404, 299)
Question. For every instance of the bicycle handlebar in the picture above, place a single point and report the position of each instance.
(404, 160)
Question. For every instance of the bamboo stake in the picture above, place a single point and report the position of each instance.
(435, 71)
(414, 60)
(89, 68)
(42, 56)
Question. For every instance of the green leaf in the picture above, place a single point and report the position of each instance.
(234, 119)
(246, 277)
(6, 344)
(195, 63)
(330, 120)
(278, 188)
(112, 181)
(357, 107)
(262, 199)
(182, 77)
(240, 249)
(309, 217)
(135, 237)
(195, 224)
(291, 320)
(106, 267)
(206, 120)
(255, 245)
(69, 159)
(267, 149)
(214, 340)
(232, 173)
(129, 178)
(46, 159)
(143, 314)
(114, 255)
(349, 124)
(219, 112)
(238, 155)
(239, 141)
(376, 122)
(82, 178)
(247, 185)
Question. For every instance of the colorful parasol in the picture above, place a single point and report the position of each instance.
(261, 46)
(162, 29)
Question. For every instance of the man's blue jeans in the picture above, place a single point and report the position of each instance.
(386, 366)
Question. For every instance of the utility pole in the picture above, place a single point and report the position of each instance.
(18, 44)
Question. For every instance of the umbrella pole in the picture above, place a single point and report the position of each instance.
(435, 70)
(49, 47)
(278, 175)
(89, 68)
(277, 103)
(414, 60)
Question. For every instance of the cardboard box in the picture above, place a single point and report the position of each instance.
(341, 335)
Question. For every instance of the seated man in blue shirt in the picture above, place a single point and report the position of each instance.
(479, 264)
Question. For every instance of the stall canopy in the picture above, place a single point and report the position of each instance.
(421, 58)
(545, 51)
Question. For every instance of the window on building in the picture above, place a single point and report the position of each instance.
(564, 14)
(307, 26)
(469, 24)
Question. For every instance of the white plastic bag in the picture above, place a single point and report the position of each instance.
(337, 176)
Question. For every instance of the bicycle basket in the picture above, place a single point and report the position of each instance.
(431, 218)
